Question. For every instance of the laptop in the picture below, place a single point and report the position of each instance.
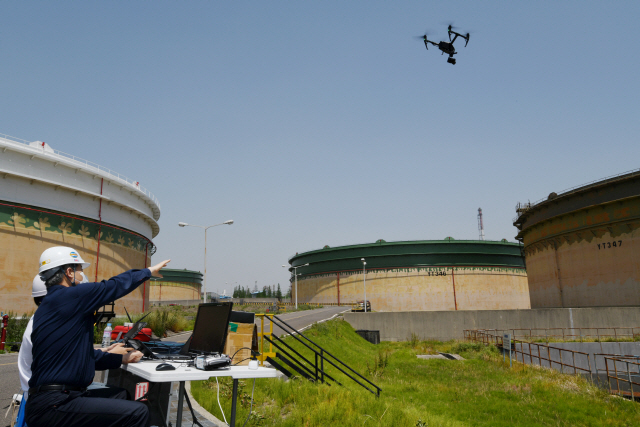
(209, 332)
(210, 329)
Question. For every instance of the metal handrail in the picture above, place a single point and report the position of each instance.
(86, 163)
(617, 378)
(486, 338)
(302, 357)
(530, 205)
(617, 332)
(323, 355)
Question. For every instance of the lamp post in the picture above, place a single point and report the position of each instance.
(295, 274)
(184, 224)
(364, 281)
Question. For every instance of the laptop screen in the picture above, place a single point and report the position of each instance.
(210, 330)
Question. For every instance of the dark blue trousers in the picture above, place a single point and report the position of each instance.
(106, 407)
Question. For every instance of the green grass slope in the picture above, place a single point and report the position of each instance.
(480, 391)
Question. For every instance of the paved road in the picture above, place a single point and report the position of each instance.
(10, 383)
(298, 320)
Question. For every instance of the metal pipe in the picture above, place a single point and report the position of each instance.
(100, 233)
(453, 278)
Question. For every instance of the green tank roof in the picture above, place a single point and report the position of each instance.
(410, 254)
(182, 276)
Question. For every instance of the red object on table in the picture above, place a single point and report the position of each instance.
(144, 335)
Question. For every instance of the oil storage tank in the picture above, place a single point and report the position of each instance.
(50, 198)
(415, 275)
(582, 246)
(182, 287)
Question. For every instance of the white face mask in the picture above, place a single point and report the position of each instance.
(84, 279)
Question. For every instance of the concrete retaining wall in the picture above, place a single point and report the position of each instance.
(241, 301)
(177, 302)
(446, 325)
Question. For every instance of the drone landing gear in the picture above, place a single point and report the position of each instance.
(451, 60)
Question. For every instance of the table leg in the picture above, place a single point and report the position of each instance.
(180, 404)
(234, 398)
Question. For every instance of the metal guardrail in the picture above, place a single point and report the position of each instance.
(626, 375)
(312, 370)
(523, 207)
(571, 334)
(86, 163)
(487, 337)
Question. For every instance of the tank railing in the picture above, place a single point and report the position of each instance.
(628, 374)
(86, 163)
(489, 337)
(322, 356)
(568, 190)
(14, 139)
(571, 334)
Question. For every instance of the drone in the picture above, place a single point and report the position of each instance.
(446, 47)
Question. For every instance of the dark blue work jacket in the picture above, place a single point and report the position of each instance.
(63, 329)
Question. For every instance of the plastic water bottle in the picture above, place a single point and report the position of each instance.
(106, 336)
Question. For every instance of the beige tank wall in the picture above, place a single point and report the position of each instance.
(589, 258)
(583, 274)
(476, 288)
(173, 291)
(25, 234)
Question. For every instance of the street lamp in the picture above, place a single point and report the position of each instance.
(364, 281)
(295, 274)
(184, 224)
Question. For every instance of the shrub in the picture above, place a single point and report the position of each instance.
(413, 340)
(467, 347)
(16, 327)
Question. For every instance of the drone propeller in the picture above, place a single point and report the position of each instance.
(424, 39)
(465, 45)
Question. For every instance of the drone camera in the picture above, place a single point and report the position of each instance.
(451, 61)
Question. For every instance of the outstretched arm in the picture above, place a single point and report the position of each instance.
(90, 296)
(155, 270)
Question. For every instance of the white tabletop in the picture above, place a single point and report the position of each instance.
(147, 370)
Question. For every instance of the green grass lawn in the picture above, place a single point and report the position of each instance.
(480, 391)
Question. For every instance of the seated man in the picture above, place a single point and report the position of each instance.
(63, 357)
(25, 356)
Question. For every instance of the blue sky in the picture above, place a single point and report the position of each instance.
(326, 123)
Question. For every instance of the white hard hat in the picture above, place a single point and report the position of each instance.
(38, 289)
(57, 257)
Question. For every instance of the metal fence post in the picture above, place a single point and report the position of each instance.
(615, 368)
(630, 383)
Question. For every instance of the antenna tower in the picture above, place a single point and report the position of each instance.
(480, 225)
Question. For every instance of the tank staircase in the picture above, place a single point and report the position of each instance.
(313, 367)
(105, 314)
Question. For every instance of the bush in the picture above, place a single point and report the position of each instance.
(16, 327)
(467, 347)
